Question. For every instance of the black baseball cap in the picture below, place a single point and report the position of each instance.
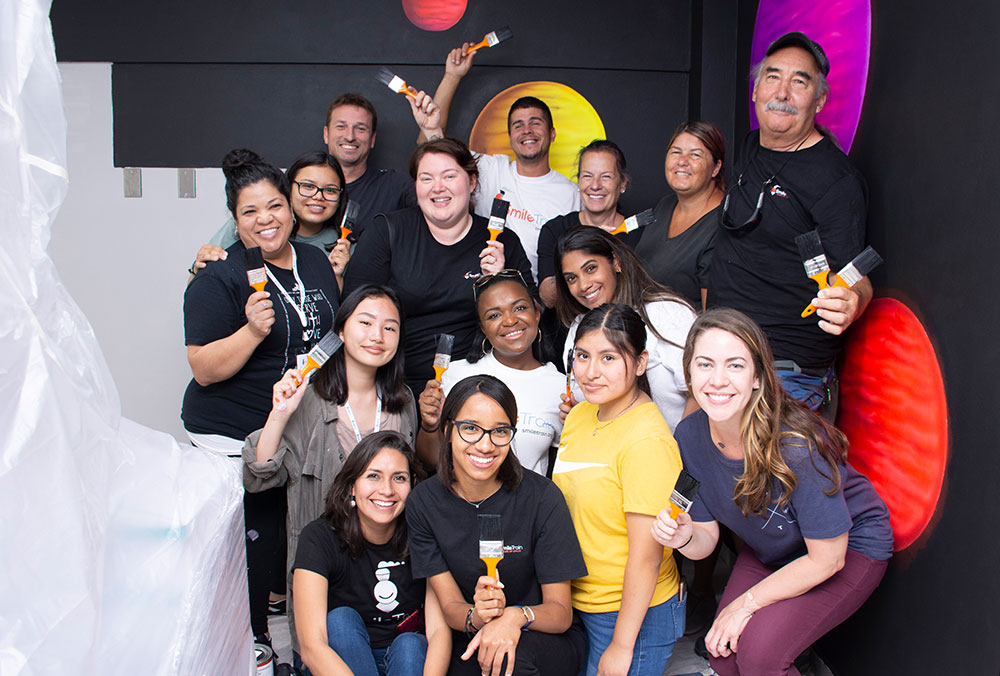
(797, 39)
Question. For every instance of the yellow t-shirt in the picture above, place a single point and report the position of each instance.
(605, 470)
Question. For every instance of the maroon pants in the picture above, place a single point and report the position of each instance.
(777, 634)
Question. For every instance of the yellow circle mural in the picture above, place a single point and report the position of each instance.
(575, 120)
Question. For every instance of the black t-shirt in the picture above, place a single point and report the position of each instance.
(434, 282)
(380, 191)
(553, 229)
(682, 262)
(758, 270)
(539, 541)
(378, 584)
(214, 308)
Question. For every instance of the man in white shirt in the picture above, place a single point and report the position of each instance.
(536, 191)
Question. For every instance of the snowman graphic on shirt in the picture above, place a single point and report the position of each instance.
(385, 590)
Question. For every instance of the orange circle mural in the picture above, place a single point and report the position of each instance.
(434, 15)
(575, 120)
(894, 413)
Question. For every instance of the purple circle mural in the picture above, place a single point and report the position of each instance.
(844, 29)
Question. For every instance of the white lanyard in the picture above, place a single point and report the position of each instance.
(300, 309)
(354, 423)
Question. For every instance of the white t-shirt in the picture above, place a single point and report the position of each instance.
(665, 370)
(534, 200)
(537, 394)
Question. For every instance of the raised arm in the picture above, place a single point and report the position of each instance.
(456, 66)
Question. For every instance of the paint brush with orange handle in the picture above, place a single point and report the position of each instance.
(442, 355)
(569, 375)
(396, 83)
(498, 217)
(490, 543)
(683, 495)
(632, 223)
(350, 216)
(319, 355)
(814, 258)
(492, 39)
(851, 274)
(256, 271)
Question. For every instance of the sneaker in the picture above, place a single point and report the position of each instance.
(276, 607)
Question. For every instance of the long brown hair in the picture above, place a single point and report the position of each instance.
(770, 420)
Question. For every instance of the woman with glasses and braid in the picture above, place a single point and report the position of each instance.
(516, 618)
(508, 347)
(318, 198)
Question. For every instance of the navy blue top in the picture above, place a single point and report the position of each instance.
(777, 536)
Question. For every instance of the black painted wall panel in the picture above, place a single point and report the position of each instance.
(176, 115)
(928, 143)
(638, 34)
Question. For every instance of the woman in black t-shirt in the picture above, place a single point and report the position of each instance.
(432, 255)
(529, 620)
(357, 606)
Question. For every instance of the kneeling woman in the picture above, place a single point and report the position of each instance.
(817, 534)
(529, 619)
(357, 605)
(617, 464)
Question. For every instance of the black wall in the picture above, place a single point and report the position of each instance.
(928, 143)
(193, 79)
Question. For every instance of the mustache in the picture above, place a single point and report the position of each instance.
(781, 107)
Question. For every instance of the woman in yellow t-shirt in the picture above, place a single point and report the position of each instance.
(616, 465)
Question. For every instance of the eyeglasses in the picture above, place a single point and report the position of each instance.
(485, 280)
(331, 193)
(754, 219)
(471, 433)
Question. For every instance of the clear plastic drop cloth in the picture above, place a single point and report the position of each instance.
(121, 551)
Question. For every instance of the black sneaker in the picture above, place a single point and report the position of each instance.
(276, 607)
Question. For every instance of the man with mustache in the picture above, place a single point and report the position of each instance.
(536, 191)
(793, 178)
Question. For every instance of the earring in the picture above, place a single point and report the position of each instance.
(539, 336)
(351, 502)
(484, 346)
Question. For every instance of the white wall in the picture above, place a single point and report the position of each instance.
(125, 259)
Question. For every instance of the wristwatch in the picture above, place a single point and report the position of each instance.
(529, 616)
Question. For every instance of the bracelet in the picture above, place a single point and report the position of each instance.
(686, 542)
(191, 270)
(752, 600)
(430, 431)
(470, 628)
(529, 616)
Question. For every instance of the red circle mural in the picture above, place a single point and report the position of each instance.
(894, 413)
(434, 15)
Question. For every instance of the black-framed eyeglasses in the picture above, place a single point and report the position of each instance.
(485, 280)
(754, 219)
(331, 193)
(471, 433)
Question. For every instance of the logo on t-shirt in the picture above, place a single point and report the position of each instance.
(472, 274)
(512, 549)
(776, 191)
(385, 590)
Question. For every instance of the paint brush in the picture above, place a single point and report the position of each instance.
(569, 375)
(256, 271)
(490, 543)
(442, 355)
(492, 39)
(851, 274)
(814, 258)
(350, 216)
(498, 217)
(632, 223)
(396, 83)
(319, 355)
(683, 495)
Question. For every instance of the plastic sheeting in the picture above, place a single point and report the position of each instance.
(121, 552)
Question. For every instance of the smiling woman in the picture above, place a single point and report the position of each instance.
(431, 255)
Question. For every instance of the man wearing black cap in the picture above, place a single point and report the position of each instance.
(793, 178)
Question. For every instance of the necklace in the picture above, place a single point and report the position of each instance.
(600, 425)
(476, 504)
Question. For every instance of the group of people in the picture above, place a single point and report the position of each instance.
(369, 483)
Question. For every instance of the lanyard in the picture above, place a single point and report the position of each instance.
(354, 423)
(300, 308)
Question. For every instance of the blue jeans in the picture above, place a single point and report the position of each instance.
(661, 627)
(348, 637)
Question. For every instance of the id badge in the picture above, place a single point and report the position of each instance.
(300, 361)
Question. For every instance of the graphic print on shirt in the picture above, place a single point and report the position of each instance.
(528, 423)
(782, 514)
(311, 332)
(563, 466)
(385, 590)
